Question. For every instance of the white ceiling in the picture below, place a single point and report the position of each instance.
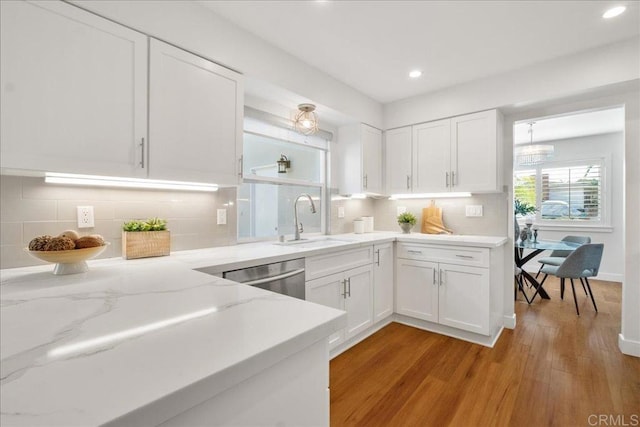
(570, 126)
(372, 45)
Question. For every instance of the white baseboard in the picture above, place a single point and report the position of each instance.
(629, 347)
(509, 321)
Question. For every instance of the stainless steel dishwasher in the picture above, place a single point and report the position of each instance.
(286, 277)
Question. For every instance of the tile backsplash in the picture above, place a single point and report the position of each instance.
(492, 223)
(30, 208)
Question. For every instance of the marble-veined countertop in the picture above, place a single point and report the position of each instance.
(139, 335)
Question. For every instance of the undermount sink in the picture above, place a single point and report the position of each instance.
(314, 243)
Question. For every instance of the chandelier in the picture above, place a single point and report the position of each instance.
(533, 154)
(306, 121)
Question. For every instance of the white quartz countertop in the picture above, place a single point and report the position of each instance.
(143, 340)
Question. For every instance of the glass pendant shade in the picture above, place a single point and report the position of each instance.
(306, 121)
(533, 154)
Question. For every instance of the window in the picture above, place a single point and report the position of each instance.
(266, 198)
(568, 192)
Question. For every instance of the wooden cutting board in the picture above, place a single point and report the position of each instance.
(432, 220)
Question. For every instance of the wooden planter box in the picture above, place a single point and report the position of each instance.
(144, 244)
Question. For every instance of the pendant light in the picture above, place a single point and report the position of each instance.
(306, 121)
(533, 154)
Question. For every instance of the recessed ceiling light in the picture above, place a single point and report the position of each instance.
(613, 12)
(415, 74)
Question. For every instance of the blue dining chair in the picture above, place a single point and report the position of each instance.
(581, 264)
(557, 257)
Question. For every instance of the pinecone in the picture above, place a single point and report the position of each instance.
(39, 243)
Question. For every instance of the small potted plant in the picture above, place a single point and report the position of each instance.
(406, 221)
(145, 238)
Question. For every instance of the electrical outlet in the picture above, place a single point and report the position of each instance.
(400, 210)
(473, 210)
(85, 217)
(340, 211)
(222, 216)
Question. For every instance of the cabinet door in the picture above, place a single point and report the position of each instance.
(431, 157)
(331, 292)
(359, 301)
(398, 160)
(382, 281)
(464, 298)
(195, 118)
(474, 152)
(371, 159)
(73, 91)
(417, 289)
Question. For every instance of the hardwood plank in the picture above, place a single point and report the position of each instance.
(555, 368)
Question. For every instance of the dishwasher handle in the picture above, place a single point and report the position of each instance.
(274, 278)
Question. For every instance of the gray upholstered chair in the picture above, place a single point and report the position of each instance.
(557, 257)
(581, 264)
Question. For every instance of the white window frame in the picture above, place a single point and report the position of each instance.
(273, 131)
(604, 224)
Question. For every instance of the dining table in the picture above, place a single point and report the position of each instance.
(534, 248)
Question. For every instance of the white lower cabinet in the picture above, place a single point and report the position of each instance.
(343, 280)
(382, 281)
(351, 291)
(418, 294)
(455, 295)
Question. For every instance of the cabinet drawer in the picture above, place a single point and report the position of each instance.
(461, 255)
(323, 265)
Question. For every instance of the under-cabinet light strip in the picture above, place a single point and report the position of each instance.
(428, 195)
(110, 181)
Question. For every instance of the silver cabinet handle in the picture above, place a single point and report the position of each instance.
(434, 277)
(446, 178)
(378, 261)
(453, 178)
(344, 288)
(142, 153)
(411, 251)
(464, 256)
(349, 291)
(365, 181)
(274, 278)
(441, 281)
(408, 182)
(241, 165)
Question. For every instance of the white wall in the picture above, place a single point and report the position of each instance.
(196, 28)
(591, 147)
(564, 76)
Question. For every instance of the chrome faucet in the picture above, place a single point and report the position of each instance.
(298, 227)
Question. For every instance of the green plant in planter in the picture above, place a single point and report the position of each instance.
(151, 224)
(407, 218)
(522, 208)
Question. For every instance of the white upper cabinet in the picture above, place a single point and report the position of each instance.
(398, 160)
(475, 150)
(461, 154)
(431, 156)
(73, 90)
(360, 148)
(195, 118)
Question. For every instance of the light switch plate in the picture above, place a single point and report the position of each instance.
(222, 216)
(85, 217)
(340, 211)
(400, 210)
(474, 210)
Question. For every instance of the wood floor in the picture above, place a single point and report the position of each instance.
(554, 369)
